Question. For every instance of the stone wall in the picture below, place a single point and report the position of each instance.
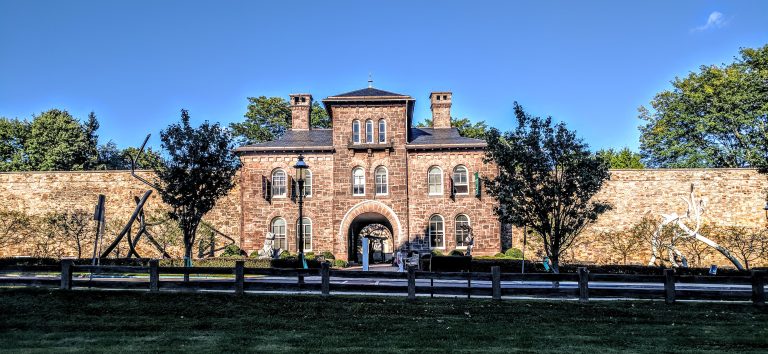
(40, 193)
(733, 197)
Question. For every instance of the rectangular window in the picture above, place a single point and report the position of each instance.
(280, 241)
(435, 182)
(436, 234)
(381, 183)
(460, 181)
(278, 185)
(358, 185)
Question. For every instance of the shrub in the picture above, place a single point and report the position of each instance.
(499, 255)
(514, 253)
(232, 251)
(286, 255)
(437, 253)
(456, 253)
(309, 256)
(328, 255)
(340, 263)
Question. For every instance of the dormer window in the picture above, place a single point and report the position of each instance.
(382, 131)
(356, 132)
(369, 131)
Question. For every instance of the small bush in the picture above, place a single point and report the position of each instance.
(328, 255)
(514, 253)
(286, 255)
(309, 256)
(232, 251)
(456, 253)
(437, 253)
(499, 255)
(340, 263)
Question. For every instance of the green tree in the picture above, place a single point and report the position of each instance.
(623, 158)
(466, 127)
(113, 158)
(199, 170)
(547, 178)
(268, 118)
(57, 142)
(716, 117)
(13, 136)
(92, 141)
(319, 116)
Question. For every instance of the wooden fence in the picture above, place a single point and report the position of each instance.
(494, 284)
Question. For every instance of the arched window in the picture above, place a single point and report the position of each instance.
(307, 223)
(460, 180)
(278, 229)
(382, 131)
(308, 184)
(435, 180)
(436, 232)
(279, 181)
(356, 132)
(382, 181)
(369, 131)
(358, 181)
(462, 230)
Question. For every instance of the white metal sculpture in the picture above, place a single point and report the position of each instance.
(694, 213)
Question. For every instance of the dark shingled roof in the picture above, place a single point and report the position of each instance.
(441, 137)
(370, 92)
(295, 140)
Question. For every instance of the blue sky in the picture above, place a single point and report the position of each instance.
(136, 63)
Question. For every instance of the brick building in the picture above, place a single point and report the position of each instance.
(374, 167)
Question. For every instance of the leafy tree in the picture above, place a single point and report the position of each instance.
(623, 158)
(319, 116)
(716, 117)
(467, 129)
(112, 158)
(748, 244)
(547, 178)
(92, 142)
(269, 117)
(56, 141)
(198, 171)
(13, 136)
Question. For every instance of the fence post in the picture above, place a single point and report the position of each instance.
(496, 282)
(154, 275)
(66, 274)
(411, 283)
(583, 284)
(325, 278)
(758, 288)
(239, 277)
(469, 285)
(669, 286)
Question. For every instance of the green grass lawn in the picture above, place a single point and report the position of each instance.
(43, 320)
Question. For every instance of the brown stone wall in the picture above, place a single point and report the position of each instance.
(345, 159)
(39, 193)
(258, 213)
(734, 197)
(485, 225)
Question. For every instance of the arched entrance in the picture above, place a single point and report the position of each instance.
(375, 219)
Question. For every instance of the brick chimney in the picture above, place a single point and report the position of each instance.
(301, 106)
(441, 109)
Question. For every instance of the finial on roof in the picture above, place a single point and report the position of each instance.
(370, 81)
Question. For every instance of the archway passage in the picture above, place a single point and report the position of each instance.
(380, 233)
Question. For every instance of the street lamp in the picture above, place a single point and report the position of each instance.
(301, 171)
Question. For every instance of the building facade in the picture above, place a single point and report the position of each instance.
(420, 186)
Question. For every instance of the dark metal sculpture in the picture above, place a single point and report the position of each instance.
(138, 214)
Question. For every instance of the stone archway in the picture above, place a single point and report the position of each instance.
(367, 213)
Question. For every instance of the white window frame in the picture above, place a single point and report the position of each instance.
(308, 183)
(284, 183)
(382, 131)
(429, 183)
(354, 180)
(356, 136)
(377, 182)
(435, 231)
(283, 237)
(456, 230)
(307, 223)
(466, 179)
(369, 131)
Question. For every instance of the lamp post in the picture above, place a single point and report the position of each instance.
(766, 209)
(301, 170)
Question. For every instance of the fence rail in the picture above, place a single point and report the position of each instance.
(494, 284)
